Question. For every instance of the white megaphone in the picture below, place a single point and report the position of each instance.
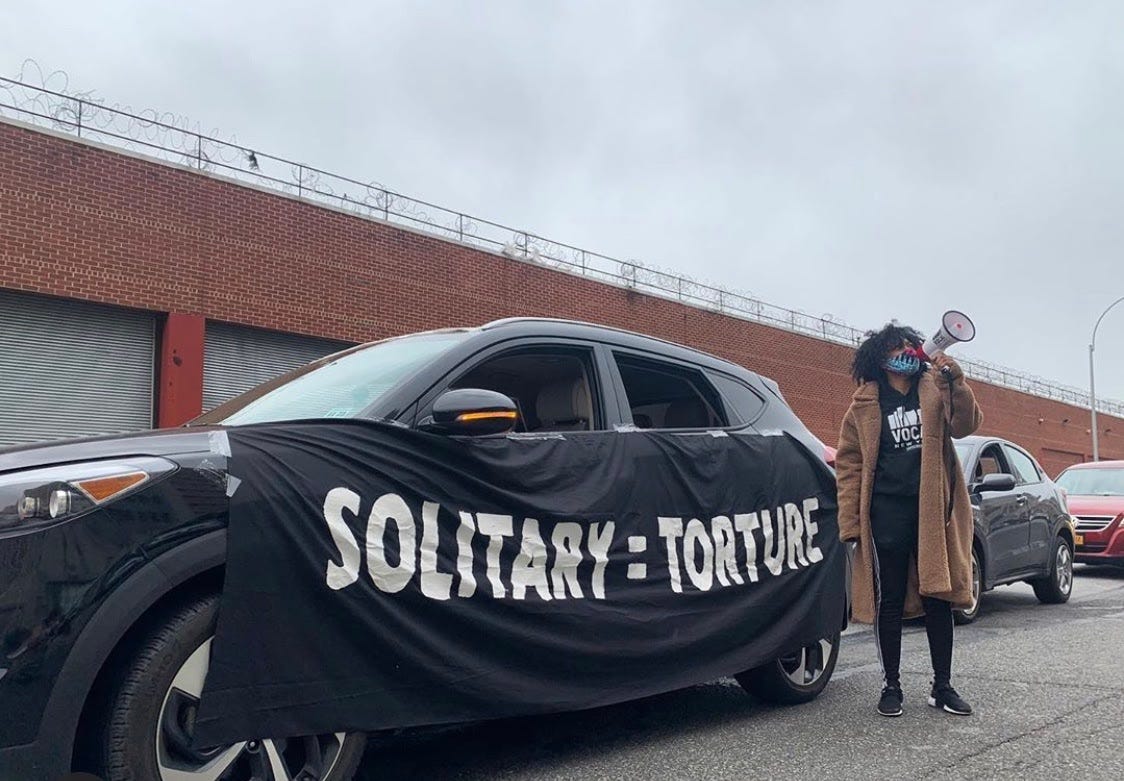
(955, 327)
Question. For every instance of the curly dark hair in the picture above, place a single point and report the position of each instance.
(867, 366)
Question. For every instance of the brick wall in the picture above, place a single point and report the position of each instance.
(83, 222)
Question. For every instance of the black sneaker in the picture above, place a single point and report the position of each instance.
(946, 698)
(890, 703)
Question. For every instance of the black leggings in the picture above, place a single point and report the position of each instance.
(894, 552)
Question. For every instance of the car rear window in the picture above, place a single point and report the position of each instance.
(1024, 465)
(665, 395)
(746, 404)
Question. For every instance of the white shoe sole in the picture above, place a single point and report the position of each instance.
(946, 709)
(891, 715)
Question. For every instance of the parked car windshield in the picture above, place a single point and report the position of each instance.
(342, 387)
(1093, 482)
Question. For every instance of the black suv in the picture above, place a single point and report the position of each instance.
(112, 549)
(1022, 524)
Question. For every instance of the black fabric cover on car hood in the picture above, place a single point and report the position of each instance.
(379, 577)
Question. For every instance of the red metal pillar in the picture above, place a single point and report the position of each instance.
(180, 395)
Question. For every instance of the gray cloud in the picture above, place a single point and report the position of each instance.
(870, 160)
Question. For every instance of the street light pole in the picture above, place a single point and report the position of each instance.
(1092, 379)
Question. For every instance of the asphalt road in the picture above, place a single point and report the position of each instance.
(1047, 683)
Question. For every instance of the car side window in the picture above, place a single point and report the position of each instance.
(1025, 470)
(667, 395)
(555, 389)
(991, 462)
(745, 404)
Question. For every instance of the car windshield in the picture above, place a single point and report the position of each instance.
(1093, 482)
(337, 387)
(964, 453)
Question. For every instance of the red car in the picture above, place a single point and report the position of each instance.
(1096, 500)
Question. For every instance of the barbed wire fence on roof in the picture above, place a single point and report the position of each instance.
(47, 100)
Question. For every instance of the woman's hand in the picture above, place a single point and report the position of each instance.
(942, 361)
(963, 412)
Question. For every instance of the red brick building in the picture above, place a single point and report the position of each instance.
(117, 270)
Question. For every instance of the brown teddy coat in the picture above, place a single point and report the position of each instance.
(943, 566)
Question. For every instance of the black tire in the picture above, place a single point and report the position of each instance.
(133, 743)
(968, 615)
(1055, 588)
(775, 682)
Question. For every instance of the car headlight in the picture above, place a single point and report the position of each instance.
(39, 497)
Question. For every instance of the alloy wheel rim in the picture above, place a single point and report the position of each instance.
(1063, 568)
(976, 586)
(311, 757)
(807, 666)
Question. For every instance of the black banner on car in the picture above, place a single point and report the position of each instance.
(379, 577)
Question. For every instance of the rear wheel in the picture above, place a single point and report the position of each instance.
(972, 612)
(796, 678)
(1055, 588)
(151, 718)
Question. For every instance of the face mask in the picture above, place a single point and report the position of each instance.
(906, 364)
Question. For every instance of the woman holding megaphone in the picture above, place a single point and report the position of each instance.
(904, 502)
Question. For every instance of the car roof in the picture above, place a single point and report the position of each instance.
(977, 440)
(1098, 465)
(550, 326)
(547, 326)
(980, 439)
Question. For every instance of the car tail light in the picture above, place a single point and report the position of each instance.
(41, 497)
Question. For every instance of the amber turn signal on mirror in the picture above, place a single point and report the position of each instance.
(472, 417)
(471, 412)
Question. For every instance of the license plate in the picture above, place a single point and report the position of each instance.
(1079, 539)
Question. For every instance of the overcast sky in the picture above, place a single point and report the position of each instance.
(868, 160)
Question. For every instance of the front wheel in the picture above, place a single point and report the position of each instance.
(796, 678)
(1055, 588)
(972, 612)
(151, 715)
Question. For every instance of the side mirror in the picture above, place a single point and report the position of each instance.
(471, 412)
(996, 482)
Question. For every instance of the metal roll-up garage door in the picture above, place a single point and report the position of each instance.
(237, 358)
(71, 368)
